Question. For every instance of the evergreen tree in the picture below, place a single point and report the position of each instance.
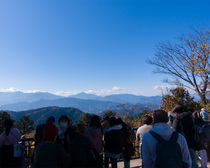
(86, 119)
(3, 116)
(25, 125)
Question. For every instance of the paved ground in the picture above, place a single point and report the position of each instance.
(135, 163)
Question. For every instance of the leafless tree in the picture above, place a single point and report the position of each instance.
(187, 60)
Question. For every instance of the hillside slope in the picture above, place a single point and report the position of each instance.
(41, 115)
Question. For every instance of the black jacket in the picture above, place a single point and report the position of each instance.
(83, 153)
(114, 140)
(39, 138)
(183, 124)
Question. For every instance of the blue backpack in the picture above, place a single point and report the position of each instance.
(168, 153)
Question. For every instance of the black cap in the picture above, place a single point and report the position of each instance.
(51, 118)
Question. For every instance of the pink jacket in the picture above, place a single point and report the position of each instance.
(95, 135)
(11, 139)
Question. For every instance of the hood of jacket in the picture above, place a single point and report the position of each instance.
(115, 127)
(163, 129)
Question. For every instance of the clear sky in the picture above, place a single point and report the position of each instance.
(94, 46)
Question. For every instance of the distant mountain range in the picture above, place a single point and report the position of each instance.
(88, 106)
(16, 97)
(120, 98)
(89, 103)
(41, 115)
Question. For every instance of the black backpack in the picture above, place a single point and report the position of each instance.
(198, 136)
(168, 153)
(83, 153)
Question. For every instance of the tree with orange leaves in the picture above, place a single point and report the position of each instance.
(178, 96)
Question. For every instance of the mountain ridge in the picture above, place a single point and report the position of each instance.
(40, 115)
(88, 106)
(89, 103)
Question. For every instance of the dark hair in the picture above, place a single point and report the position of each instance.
(147, 120)
(113, 121)
(51, 118)
(177, 109)
(71, 132)
(198, 118)
(8, 123)
(160, 116)
(119, 120)
(95, 122)
(80, 127)
(106, 118)
(64, 117)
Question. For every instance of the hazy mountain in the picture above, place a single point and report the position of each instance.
(15, 97)
(86, 96)
(133, 99)
(41, 115)
(18, 101)
(121, 98)
(90, 106)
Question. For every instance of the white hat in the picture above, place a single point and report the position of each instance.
(203, 109)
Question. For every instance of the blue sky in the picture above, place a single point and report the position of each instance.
(94, 46)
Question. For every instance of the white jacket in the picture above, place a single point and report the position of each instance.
(149, 145)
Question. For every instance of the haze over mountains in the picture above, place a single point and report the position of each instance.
(89, 103)
(16, 97)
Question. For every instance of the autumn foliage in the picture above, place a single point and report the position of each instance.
(178, 96)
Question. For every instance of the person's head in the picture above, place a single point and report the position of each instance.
(50, 131)
(71, 133)
(197, 117)
(177, 109)
(113, 121)
(106, 118)
(95, 122)
(160, 116)
(80, 128)
(147, 120)
(196, 114)
(8, 124)
(203, 109)
(51, 118)
(63, 121)
(119, 120)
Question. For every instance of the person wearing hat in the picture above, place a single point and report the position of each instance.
(40, 130)
(204, 114)
(49, 154)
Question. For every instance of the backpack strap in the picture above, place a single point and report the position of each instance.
(157, 137)
(174, 137)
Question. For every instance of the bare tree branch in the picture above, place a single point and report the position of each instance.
(188, 60)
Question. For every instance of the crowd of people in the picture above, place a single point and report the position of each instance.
(71, 146)
(162, 129)
(165, 141)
